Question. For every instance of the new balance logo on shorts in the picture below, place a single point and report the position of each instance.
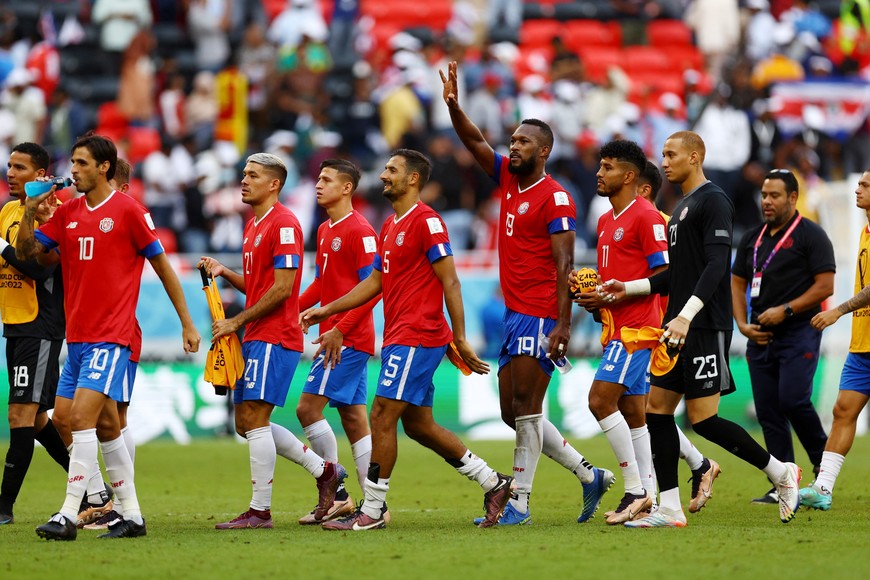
(95, 376)
(387, 383)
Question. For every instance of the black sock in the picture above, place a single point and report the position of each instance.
(17, 463)
(341, 493)
(50, 439)
(732, 438)
(665, 445)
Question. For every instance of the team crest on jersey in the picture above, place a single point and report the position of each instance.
(524, 207)
(617, 235)
(683, 213)
(336, 244)
(400, 239)
(106, 225)
(257, 240)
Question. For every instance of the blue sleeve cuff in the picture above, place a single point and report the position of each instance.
(657, 259)
(316, 271)
(378, 264)
(439, 251)
(364, 273)
(155, 248)
(290, 261)
(44, 240)
(496, 174)
(562, 224)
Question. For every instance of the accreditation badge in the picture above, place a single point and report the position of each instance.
(755, 287)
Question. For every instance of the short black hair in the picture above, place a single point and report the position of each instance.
(38, 155)
(416, 162)
(343, 167)
(651, 176)
(101, 148)
(786, 176)
(545, 129)
(625, 151)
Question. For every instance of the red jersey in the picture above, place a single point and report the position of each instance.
(528, 218)
(345, 252)
(413, 294)
(630, 245)
(102, 253)
(275, 241)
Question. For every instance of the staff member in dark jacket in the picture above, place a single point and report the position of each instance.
(787, 265)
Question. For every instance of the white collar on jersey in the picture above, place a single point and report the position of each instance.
(258, 221)
(521, 190)
(102, 203)
(335, 223)
(616, 217)
(397, 219)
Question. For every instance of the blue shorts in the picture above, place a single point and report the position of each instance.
(269, 370)
(132, 367)
(407, 371)
(856, 373)
(343, 385)
(522, 337)
(620, 367)
(98, 366)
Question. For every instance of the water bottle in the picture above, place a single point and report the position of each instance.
(37, 188)
(563, 365)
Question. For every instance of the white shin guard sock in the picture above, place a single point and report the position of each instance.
(130, 444)
(530, 441)
(376, 497)
(362, 454)
(643, 453)
(689, 452)
(261, 446)
(119, 468)
(322, 440)
(96, 487)
(476, 469)
(82, 459)
(619, 436)
(289, 447)
(830, 469)
(559, 450)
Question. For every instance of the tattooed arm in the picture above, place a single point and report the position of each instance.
(825, 319)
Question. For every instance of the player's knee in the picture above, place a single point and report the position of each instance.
(845, 413)
(303, 413)
(600, 406)
(708, 428)
(20, 416)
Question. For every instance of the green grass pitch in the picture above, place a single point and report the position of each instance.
(184, 491)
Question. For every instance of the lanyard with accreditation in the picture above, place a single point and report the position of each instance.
(755, 289)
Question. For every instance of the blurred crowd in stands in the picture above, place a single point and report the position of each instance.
(188, 88)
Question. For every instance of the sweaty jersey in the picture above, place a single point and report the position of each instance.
(31, 295)
(102, 253)
(630, 246)
(413, 294)
(274, 241)
(861, 317)
(702, 218)
(525, 258)
(345, 252)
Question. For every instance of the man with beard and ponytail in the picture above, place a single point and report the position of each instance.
(536, 254)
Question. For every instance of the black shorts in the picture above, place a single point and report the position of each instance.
(34, 368)
(702, 367)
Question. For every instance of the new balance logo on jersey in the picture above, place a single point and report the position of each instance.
(94, 376)
(72, 225)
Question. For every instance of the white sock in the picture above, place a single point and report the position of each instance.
(559, 450)
(689, 452)
(289, 447)
(830, 469)
(619, 436)
(362, 454)
(526, 454)
(376, 497)
(775, 469)
(322, 440)
(642, 452)
(261, 446)
(96, 487)
(129, 443)
(476, 469)
(670, 501)
(82, 458)
(119, 469)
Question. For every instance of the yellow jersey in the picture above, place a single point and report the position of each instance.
(18, 302)
(861, 317)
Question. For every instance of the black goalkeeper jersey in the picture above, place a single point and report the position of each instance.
(701, 226)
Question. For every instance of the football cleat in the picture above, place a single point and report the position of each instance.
(121, 528)
(358, 521)
(339, 508)
(57, 528)
(494, 501)
(771, 497)
(510, 517)
(594, 491)
(327, 484)
(789, 494)
(6, 519)
(702, 484)
(816, 497)
(251, 519)
(103, 522)
(91, 512)
(659, 519)
(630, 508)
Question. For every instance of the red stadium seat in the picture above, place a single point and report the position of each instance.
(580, 33)
(167, 238)
(597, 59)
(668, 33)
(143, 142)
(536, 33)
(111, 118)
(647, 58)
(686, 57)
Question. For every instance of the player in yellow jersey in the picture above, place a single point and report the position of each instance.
(855, 379)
